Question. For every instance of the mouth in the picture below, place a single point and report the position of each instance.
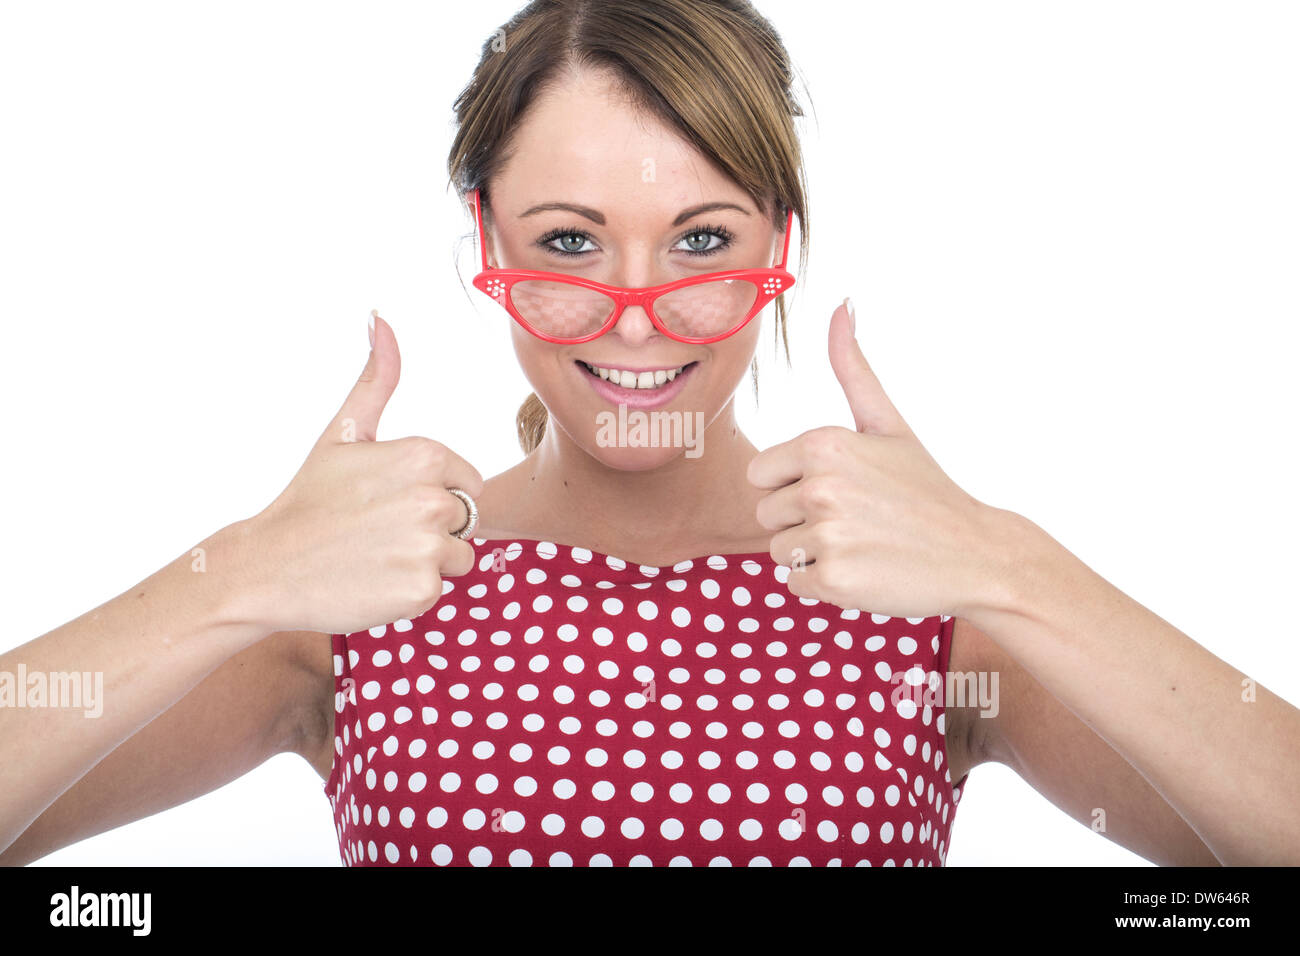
(641, 379)
(637, 388)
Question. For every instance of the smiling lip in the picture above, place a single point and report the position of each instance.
(637, 397)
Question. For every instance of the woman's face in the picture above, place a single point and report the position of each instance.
(634, 188)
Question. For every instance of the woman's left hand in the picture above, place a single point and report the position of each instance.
(867, 519)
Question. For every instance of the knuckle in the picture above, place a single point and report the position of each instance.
(475, 483)
(428, 586)
(430, 508)
(824, 536)
(430, 548)
(834, 578)
(459, 558)
(822, 444)
(427, 454)
(818, 493)
(799, 583)
(426, 498)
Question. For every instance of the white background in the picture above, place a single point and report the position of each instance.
(1069, 230)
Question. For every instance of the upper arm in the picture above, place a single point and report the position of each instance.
(1066, 761)
(253, 706)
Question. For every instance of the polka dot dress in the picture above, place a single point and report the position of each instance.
(559, 707)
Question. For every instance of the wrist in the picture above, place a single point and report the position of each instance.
(238, 601)
(1013, 547)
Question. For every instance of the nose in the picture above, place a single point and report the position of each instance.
(634, 326)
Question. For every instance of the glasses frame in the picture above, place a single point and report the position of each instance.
(497, 284)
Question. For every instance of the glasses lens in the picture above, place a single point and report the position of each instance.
(706, 309)
(559, 309)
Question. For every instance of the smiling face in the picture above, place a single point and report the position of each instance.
(644, 208)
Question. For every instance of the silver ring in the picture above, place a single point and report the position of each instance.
(468, 528)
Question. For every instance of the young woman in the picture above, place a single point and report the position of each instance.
(659, 646)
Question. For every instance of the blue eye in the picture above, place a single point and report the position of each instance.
(565, 236)
(572, 240)
(723, 237)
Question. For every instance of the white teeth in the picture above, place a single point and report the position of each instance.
(638, 380)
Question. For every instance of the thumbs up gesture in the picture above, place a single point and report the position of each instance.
(364, 533)
(865, 518)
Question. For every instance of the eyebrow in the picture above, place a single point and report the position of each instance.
(599, 218)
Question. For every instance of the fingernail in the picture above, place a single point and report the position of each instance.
(853, 316)
(370, 323)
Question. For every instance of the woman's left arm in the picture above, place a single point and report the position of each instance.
(1222, 749)
(866, 519)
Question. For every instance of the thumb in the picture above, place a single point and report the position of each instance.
(358, 418)
(872, 410)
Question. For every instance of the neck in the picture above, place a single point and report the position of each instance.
(684, 508)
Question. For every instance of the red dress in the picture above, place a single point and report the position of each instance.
(559, 707)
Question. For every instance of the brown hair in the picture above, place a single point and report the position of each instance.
(715, 70)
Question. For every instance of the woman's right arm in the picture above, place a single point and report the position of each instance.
(361, 535)
(149, 645)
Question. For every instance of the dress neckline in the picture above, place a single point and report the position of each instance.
(761, 557)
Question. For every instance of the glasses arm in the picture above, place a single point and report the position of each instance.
(785, 250)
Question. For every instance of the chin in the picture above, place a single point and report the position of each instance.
(635, 459)
(624, 449)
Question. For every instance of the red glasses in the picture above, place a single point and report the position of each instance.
(566, 309)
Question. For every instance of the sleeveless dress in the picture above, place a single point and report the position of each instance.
(560, 707)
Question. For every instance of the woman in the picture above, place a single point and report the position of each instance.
(647, 655)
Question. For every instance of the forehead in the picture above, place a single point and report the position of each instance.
(582, 140)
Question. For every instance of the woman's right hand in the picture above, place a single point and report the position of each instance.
(363, 535)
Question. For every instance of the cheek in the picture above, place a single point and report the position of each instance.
(550, 375)
(537, 359)
(730, 361)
